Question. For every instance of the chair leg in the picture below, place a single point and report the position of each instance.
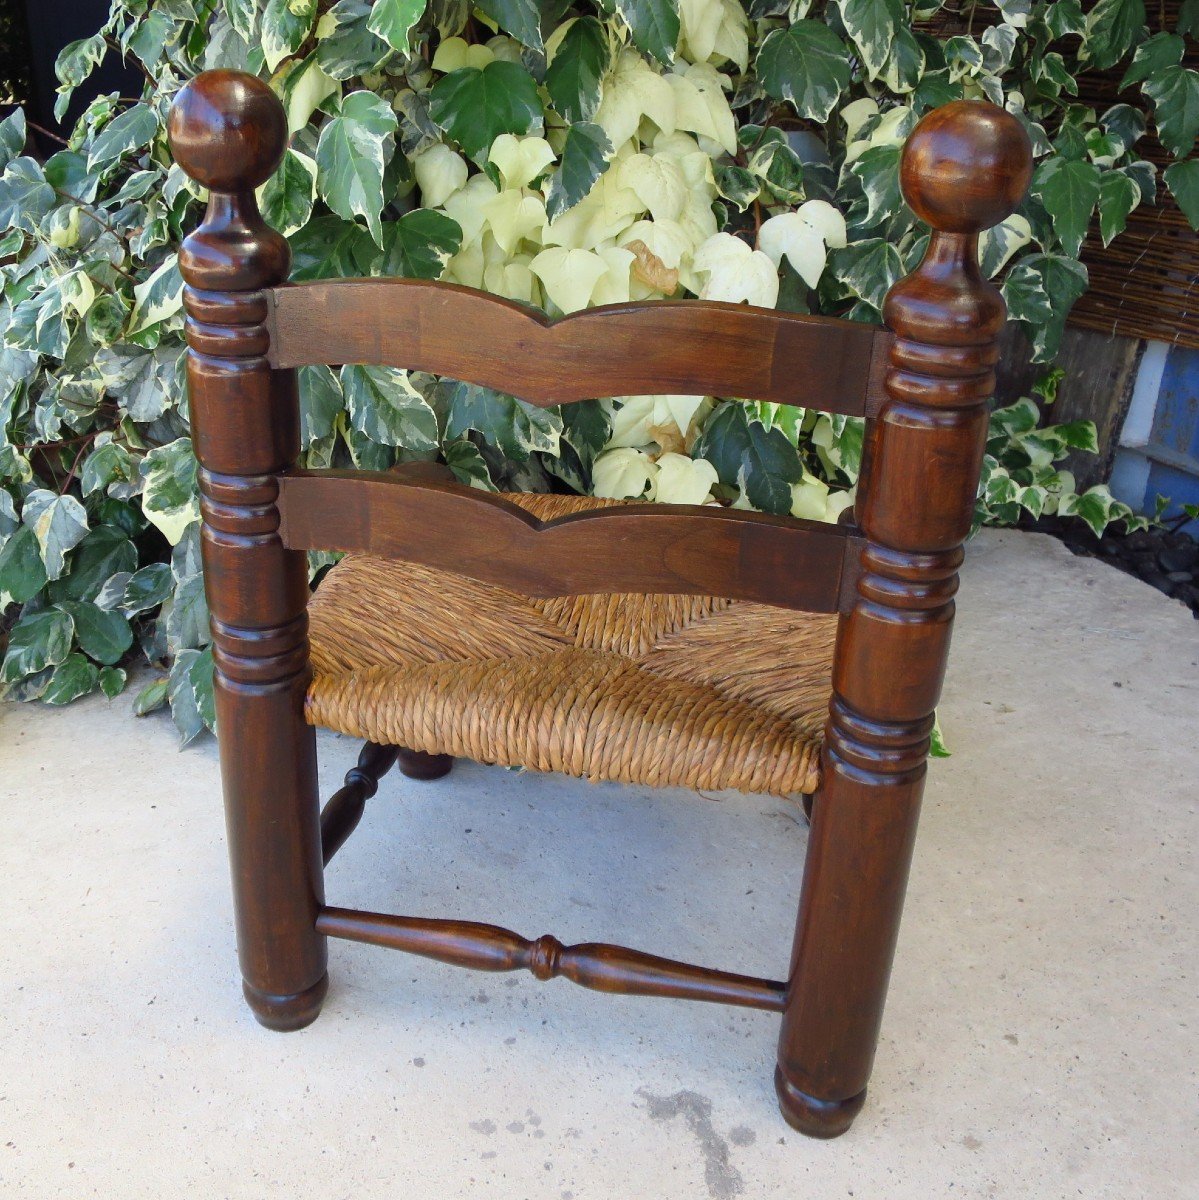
(268, 766)
(416, 764)
(859, 850)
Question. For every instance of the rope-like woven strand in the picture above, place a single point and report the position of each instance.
(681, 691)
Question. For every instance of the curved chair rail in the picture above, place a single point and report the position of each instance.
(664, 548)
(665, 347)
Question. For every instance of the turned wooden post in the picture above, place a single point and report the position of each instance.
(228, 132)
(965, 168)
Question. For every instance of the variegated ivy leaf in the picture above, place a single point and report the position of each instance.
(475, 106)
(285, 26)
(393, 20)
(169, 498)
(1118, 196)
(353, 150)
(520, 18)
(739, 186)
(654, 25)
(305, 87)
(58, 522)
(12, 136)
(807, 64)
(904, 71)
(586, 155)
(868, 269)
(760, 462)
(872, 25)
(133, 130)
(463, 458)
(1182, 178)
(997, 245)
(74, 64)
(514, 428)
(346, 47)
(877, 170)
(574, 78)
(190, 688)
(387, 409)
(37, 641)
(158, 297)
(286, 198)
(1040, 290)
(419, 244)
(1113, 27)
(243, 16)
(1015, 12)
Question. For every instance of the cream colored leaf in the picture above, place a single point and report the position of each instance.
(657, 182)
(440, 172)
(701, 105)
(801, 237)
(732, 38)
(304, 86)
(613, 286)
(604, 213)
(513, 280)
(513, 216)
(632, 90)
(454, 53)
(520, 160)
(736, 273)
(856, 114)
(809, 498)
(568, 276)
(683, 480)
(466, 206)
(623, 474)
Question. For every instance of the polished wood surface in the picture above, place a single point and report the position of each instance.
(227, 131)
(340, 816)
(665, 347)
(674, 549)
(596, 965)
(965, 167)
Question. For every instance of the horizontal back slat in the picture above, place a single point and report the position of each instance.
(667, 347)
(646, 548)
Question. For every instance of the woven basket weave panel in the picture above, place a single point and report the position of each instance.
(659, 690)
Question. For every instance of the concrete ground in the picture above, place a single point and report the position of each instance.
(1040, 1039)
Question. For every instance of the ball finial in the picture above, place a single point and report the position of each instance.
(966, 166)
(227, 130)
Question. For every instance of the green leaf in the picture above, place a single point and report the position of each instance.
(463, 458)
(185, 613)
(22, 573)
(102, 634)
(520, 18)
(1175, 96)
(475, 106)
(285, 26)
(25, 196)
(146, 589)
(513, 427)
(112, 681)
(586, 155)
(58, 522)
(330, 248)
(654, 25)
(132, 130)
(419, 244)
(739, 186)
(1154, 55)
(872, 24)
(747, 455)
(868, 269)
(286, 198)
(1118, 196)
(152, 697)
(1182, 178)
(77, 60)
(349, 48)
(169, 496)
(321, 402)
(73, 678)
(393, 20)
(1069, 189)
(36, 641)
(807, 64)
(1113, 27)
(105, 552)
(877, 169)
(12, 136)
(574, 79)
(386, 408)
(353, 150)
(1040, 290)
(190, 690)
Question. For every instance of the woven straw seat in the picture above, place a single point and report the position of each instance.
(683, 691)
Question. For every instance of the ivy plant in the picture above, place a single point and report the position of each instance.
(563, 153)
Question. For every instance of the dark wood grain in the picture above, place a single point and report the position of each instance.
(672, 549)
(596, 965)
(340, 816)
(665, 347)
(964, 168)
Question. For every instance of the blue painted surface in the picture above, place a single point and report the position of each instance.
(1172, 453)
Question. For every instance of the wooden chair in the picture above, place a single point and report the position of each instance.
(922, 384)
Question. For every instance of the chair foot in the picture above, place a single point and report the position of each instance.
(816, 1118)
(416, 764)
(285, 1014)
